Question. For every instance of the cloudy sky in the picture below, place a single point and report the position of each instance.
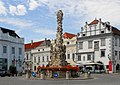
(36, 19)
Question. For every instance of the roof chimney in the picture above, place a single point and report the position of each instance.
(31, 42)
(45, 39)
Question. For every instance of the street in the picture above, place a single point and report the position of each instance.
(99, 79)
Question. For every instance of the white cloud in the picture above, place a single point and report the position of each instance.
(3, 10)
(16, 22)
(21, 10)
(12, 9)
(86, 9)
(107, 10)
(44, 31)
(33, 4)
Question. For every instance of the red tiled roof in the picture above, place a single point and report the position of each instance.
(94, 22)
(68, 35)
(115, 31)
(33, 45)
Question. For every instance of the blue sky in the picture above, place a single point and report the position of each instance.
(36, 19)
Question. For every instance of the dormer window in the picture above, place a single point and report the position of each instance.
(68, 43)
(83, 34)
(102, 31)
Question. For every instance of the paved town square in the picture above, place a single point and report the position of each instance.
(99, 79)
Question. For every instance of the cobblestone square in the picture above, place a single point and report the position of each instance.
(98, 79)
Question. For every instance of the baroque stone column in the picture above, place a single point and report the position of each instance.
(58, 50)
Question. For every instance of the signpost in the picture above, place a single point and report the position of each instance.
(55, 75)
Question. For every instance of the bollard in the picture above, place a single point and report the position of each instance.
(42, 76)
(67, 74)
(107, 71)
(87, 75)
(27, 75)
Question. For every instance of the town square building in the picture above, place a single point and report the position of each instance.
(69, 41)
(28, 61)
(12, 49)
(99, 42)
(37, 54)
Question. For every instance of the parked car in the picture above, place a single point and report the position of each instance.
(4, 73)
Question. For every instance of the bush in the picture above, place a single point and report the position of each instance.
(12, 69)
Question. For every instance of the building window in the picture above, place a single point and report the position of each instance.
(4, 49)
(115, 53)
(83, 35)
(103, 42)
(38, 59)
(68, 43)
(73, 56)
(88, 57)
(80, 45)
(115, 41)
(47, 58)
(119, 55)
(79, 58)
(102, 53)
(26, 56)
(89, 44)
(13, 50)
(96, 45)
(83, 58)
(43, 59)
(34, 68)
(20, 51)
(68, 56)
(34, 59)
(102, 31)
(119, 42)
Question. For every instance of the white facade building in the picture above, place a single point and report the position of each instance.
(37, 54)
(69, 41)
(41, 55)
(99, 42)
(12, 49)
